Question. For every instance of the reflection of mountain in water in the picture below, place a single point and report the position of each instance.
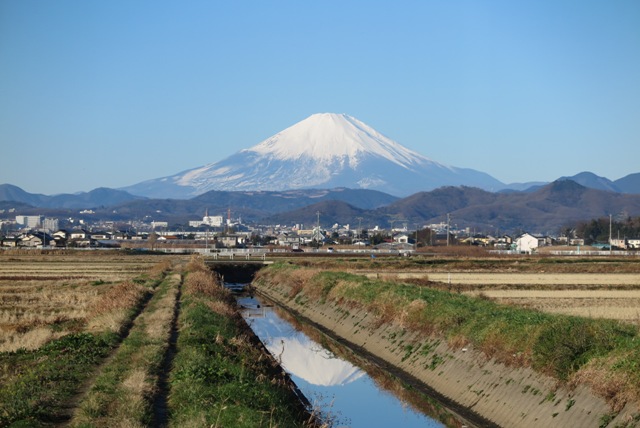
(302, 357)
(308, 360)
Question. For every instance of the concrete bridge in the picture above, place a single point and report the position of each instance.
(236, 271)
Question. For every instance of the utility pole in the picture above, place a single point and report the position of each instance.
(448, 227)
(206, 232)
(318, 229)
(610, 236)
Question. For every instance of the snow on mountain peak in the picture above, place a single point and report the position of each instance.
(325, 150)
(329, 136)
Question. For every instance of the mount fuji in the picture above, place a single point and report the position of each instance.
(325, 150)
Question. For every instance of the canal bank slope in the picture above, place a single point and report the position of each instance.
(503, 395)
(220, 373)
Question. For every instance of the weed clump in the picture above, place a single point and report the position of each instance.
(125, 295)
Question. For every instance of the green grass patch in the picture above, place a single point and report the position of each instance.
(221, 378)
(46, 378)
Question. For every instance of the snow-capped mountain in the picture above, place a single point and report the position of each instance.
(325, 150)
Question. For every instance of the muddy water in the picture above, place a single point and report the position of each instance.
(346, 391)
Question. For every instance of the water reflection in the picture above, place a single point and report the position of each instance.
(304, 358)
(345, 394)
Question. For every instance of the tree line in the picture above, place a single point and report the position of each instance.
(597, 230)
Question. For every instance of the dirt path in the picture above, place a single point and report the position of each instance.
(68, 409)
(160, 401)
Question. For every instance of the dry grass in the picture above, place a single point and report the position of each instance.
(612, 385)
(386, 307)
(111, 310)
(28, 310)
(411, 314)
(205, 283)
(158, 321)
(222, 308)
(44, 295)
(122, 296)
(137, 390)
(32, 339)
(196, 264)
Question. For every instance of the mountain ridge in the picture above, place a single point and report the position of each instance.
(101, 196)
(325, 150)
(544, 210)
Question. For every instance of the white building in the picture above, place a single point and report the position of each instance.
(401, 238)
(633, 243)
(51, 224)
(31, 221)
(528, 243)
(208, 220)
(214, 221)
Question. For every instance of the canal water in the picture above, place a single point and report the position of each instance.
(345, 390)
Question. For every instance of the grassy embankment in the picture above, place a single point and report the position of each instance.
(220, 376)
(602, 354)
(36, 385)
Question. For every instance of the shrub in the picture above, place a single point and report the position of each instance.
(204, 283)
(567, 343)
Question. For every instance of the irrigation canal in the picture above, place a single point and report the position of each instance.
(346, 390)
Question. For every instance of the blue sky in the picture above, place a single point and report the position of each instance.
(113, 93)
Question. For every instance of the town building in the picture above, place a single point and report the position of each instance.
(29, 221)
(527, 243)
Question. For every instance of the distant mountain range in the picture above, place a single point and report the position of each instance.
(250, 206)
(627, 184)
(281, 180)
(543, 210)
(101, 196)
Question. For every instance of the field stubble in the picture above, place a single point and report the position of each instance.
(594, 295)
(43, 297)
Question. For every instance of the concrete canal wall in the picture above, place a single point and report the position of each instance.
(500, 395)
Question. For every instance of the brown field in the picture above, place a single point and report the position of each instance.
(44, 296)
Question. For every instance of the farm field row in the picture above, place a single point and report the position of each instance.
(44, 297)
(80, 266)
